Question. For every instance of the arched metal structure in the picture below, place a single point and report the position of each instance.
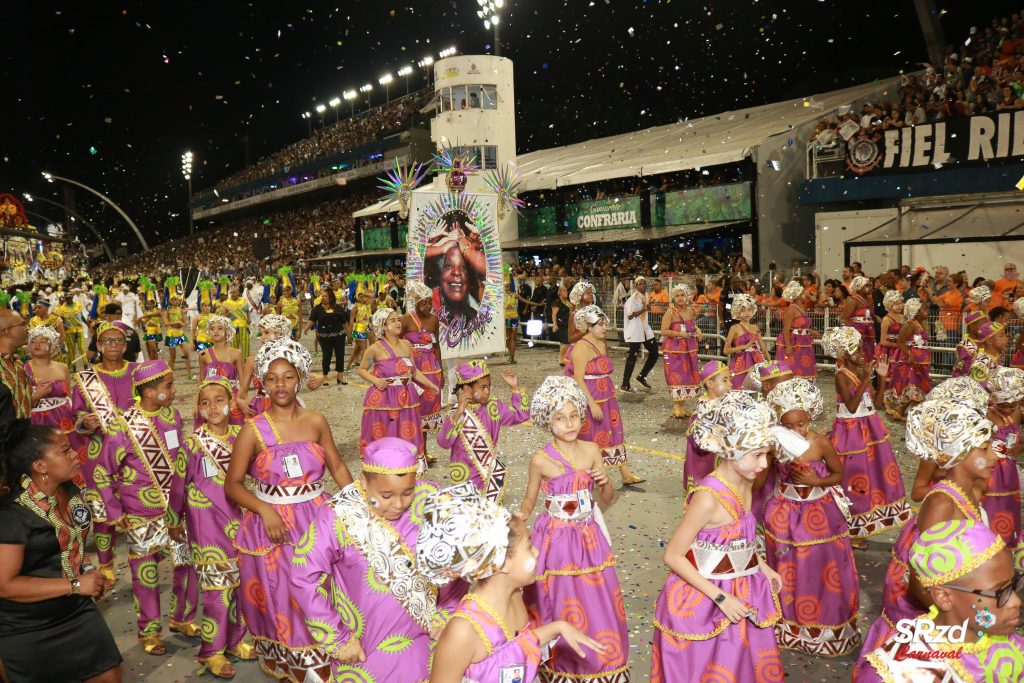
(79, 217)
(50, 177)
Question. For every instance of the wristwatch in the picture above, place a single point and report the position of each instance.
(720, 599)
(76, 586)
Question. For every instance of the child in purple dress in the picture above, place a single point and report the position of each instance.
(365, 599)
(471, 427)
(957, 438)
(50, 381)
(714, 377)
(591, 366)
(795, 344)
(285, 450)
(872, 478)
(913, 380)
(968, 346)
(743, 344)
(681, 337)
(491, 638)
(992, 342)
(421, 329)
(578, 582)
(221, 360)
(1002, 498)
(392, 404)
(198, 504)
(716, 614)
(806, 533)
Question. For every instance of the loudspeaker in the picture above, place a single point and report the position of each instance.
(261, 247)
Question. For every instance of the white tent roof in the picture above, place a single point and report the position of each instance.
(707, 141)
(383, 206)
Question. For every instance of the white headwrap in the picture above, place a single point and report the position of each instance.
(796, 394)
(911, 308)
(979, 295)
(578, 290)
(944, 432)
(858, 283)
(1007, 385)
(891, 298)
(45, 331)
(587, 317)
(272, 322)
(415, 292)
(839, 342)
(283, 349)
(1018, 308)
(463, 535)
(684, 289)
(733, 425)
(552, 394)
(963, 389)
(379, 318)
(792, 291)
(743, 302)
(228, 327)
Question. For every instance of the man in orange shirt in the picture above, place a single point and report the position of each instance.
(658, 298)
(1003, 285)
(949, 302)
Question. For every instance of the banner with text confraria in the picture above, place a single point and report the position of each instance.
(603, 214)
(963, 140)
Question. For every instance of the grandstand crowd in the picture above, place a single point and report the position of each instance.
(982, 75)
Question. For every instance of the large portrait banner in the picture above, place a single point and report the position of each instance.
(454, 250)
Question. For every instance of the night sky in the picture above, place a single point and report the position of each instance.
(111, 93)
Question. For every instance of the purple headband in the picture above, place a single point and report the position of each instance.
(712, 368)
(390, 455)
(972, 317)
(471, 371)
(774, 370)
(149, 370)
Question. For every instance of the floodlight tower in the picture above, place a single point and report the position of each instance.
(490, 12)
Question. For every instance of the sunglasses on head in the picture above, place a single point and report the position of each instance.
(1001, 595)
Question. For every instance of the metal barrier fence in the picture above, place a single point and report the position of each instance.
(769, 320)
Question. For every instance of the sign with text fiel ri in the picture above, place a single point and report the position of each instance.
(704, 205)
(603, 214)
(965, 140)
(377, 237)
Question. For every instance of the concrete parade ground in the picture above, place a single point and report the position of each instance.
(640, 523)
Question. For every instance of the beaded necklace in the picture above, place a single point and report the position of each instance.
(70, 537)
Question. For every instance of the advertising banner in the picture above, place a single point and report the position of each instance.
(378, 237)
(703, 205)
(604, 214)
(454, 250)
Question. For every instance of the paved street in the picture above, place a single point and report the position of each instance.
(640, 523)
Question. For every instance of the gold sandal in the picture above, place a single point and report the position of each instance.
(107, 572)
(187, 629)
(152, 645)
(217, 665)
(244, 651)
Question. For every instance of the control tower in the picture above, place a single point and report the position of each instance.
(476, 109)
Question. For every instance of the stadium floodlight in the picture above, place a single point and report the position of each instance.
(385, 80)
(309, 122)
(335, 101)
(350, 97)
(405, 71)
(490, 11)
(320, 108)
(27, 197)
(366, 88)
(426, 61)
(186, 170)
(447, 52)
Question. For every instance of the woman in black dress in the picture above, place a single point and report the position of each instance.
(331, 320)
(561, 310)
(50, 629)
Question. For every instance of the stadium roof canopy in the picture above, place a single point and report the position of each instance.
(708, 141)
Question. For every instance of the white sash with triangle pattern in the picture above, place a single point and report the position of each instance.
(477, 442)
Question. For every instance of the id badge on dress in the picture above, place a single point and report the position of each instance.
(515, 673)
(209, 469)
(1011, 440)
(171, 439)
(586, 503)
(292, 466)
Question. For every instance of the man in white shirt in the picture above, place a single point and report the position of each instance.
(130, 307)
(254, 295)
(638, 333)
